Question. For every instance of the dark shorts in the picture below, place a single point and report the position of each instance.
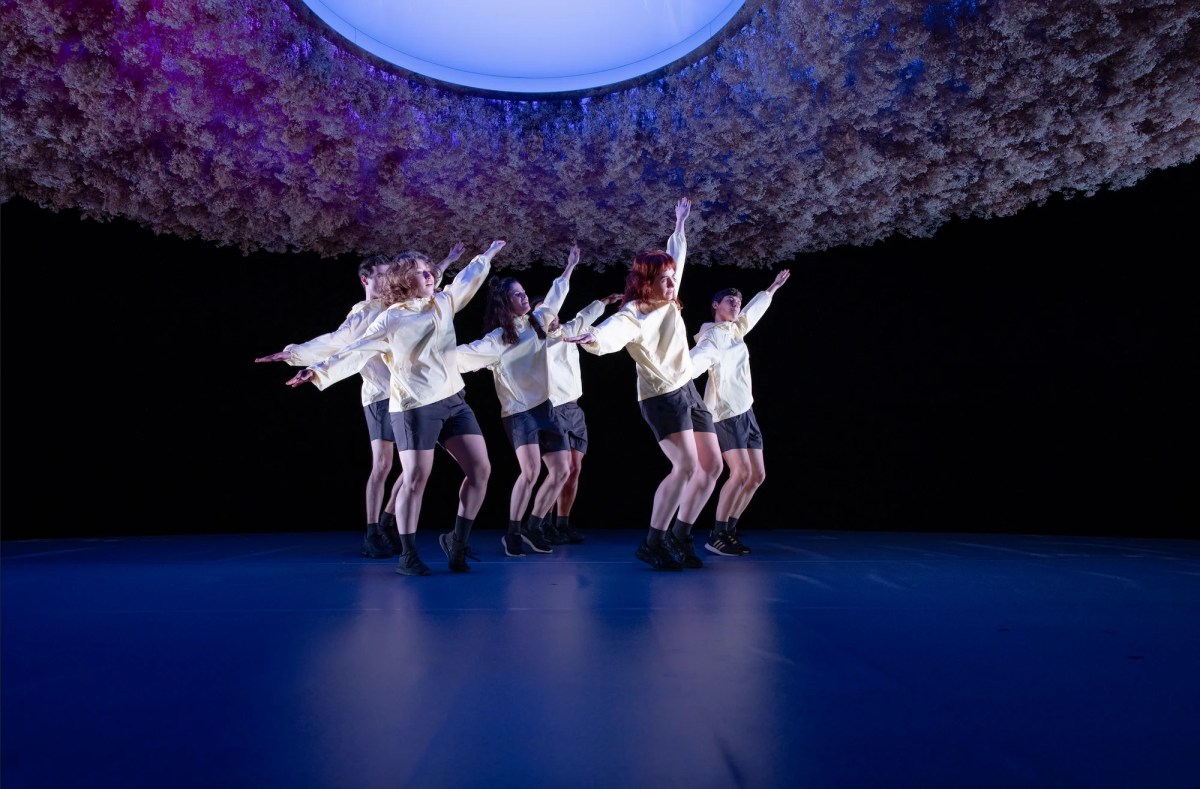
(569, 417)
(536, 426)
(379, 421)
(675, 411)
(428, 425)
(739, 432)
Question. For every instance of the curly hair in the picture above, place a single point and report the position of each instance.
(399, 281)
(648, 266)
(498, 312)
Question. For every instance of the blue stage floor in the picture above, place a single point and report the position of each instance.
(824, 659)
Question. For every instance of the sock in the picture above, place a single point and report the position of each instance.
(462, 528)
(372, 528)
(514, 527)
(733, 525)
(682, 529)
(654, 537)
(720, 527)
(562, 522)
(408, 543)
(535, 523)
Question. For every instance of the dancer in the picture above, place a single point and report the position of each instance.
(650, 327)
(381, 539)
(514, 349)
(566, 387)
(416, 335)
(721, 351)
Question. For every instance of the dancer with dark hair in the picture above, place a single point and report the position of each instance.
(649, 326)
(513, 348)
(381, 539)
(721, 351)
(415, 334)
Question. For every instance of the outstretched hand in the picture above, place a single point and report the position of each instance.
(780, 278)
(581, 339)
(612, 298)
(682, 209)
(572, 260)
(496, 246)
(281, 356)
(302, 377)
(454, 254)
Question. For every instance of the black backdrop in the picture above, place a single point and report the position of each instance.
(1026, 374)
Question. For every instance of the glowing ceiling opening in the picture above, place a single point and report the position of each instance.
(528, 46)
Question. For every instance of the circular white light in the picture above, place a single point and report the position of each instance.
(528, 46)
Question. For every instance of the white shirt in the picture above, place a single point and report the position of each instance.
(721, 352)
(417, 341)
(375, 373)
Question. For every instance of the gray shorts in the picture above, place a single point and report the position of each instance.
(672, 412)
(569, 417)
(536, 426)
(379, 421)
(739, 432)
(428, 425)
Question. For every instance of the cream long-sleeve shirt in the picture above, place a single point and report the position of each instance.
(721, 351)
(656, 339)
(416, 338)
(375, 373)
(562, 358)
(518, 370)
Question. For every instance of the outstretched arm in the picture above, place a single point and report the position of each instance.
(780, 278)
(455, 253)
(677, 243)
(280, 356)
(302, 377)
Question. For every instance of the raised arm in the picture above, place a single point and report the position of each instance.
(552, 304)
(754, 309)
(455, 253)
(467, 282)
(677, 243)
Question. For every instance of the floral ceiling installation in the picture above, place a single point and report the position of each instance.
(814, 125)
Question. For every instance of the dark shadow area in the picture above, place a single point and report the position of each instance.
(1026, 374)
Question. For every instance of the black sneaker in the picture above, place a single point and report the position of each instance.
(657, 557)
(673, 546)
(720, 544)
(512, 545)
(374, 547)
(411, 564)
(456, 552)
(690, 560)
(391, 532)
(574, 536)
(737, 543)
(552, 535)
(535, 540)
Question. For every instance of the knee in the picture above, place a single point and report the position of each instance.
(757, 478)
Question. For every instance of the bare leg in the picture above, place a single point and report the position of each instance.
(417, 464)
(381, 467)
(680, 449)
(566, 498)
(732, 491)
(558, 468)
(755, 477)
(700, 485)
(470, 452)
(529, 458)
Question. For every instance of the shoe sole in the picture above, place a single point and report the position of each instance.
(504, 543)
